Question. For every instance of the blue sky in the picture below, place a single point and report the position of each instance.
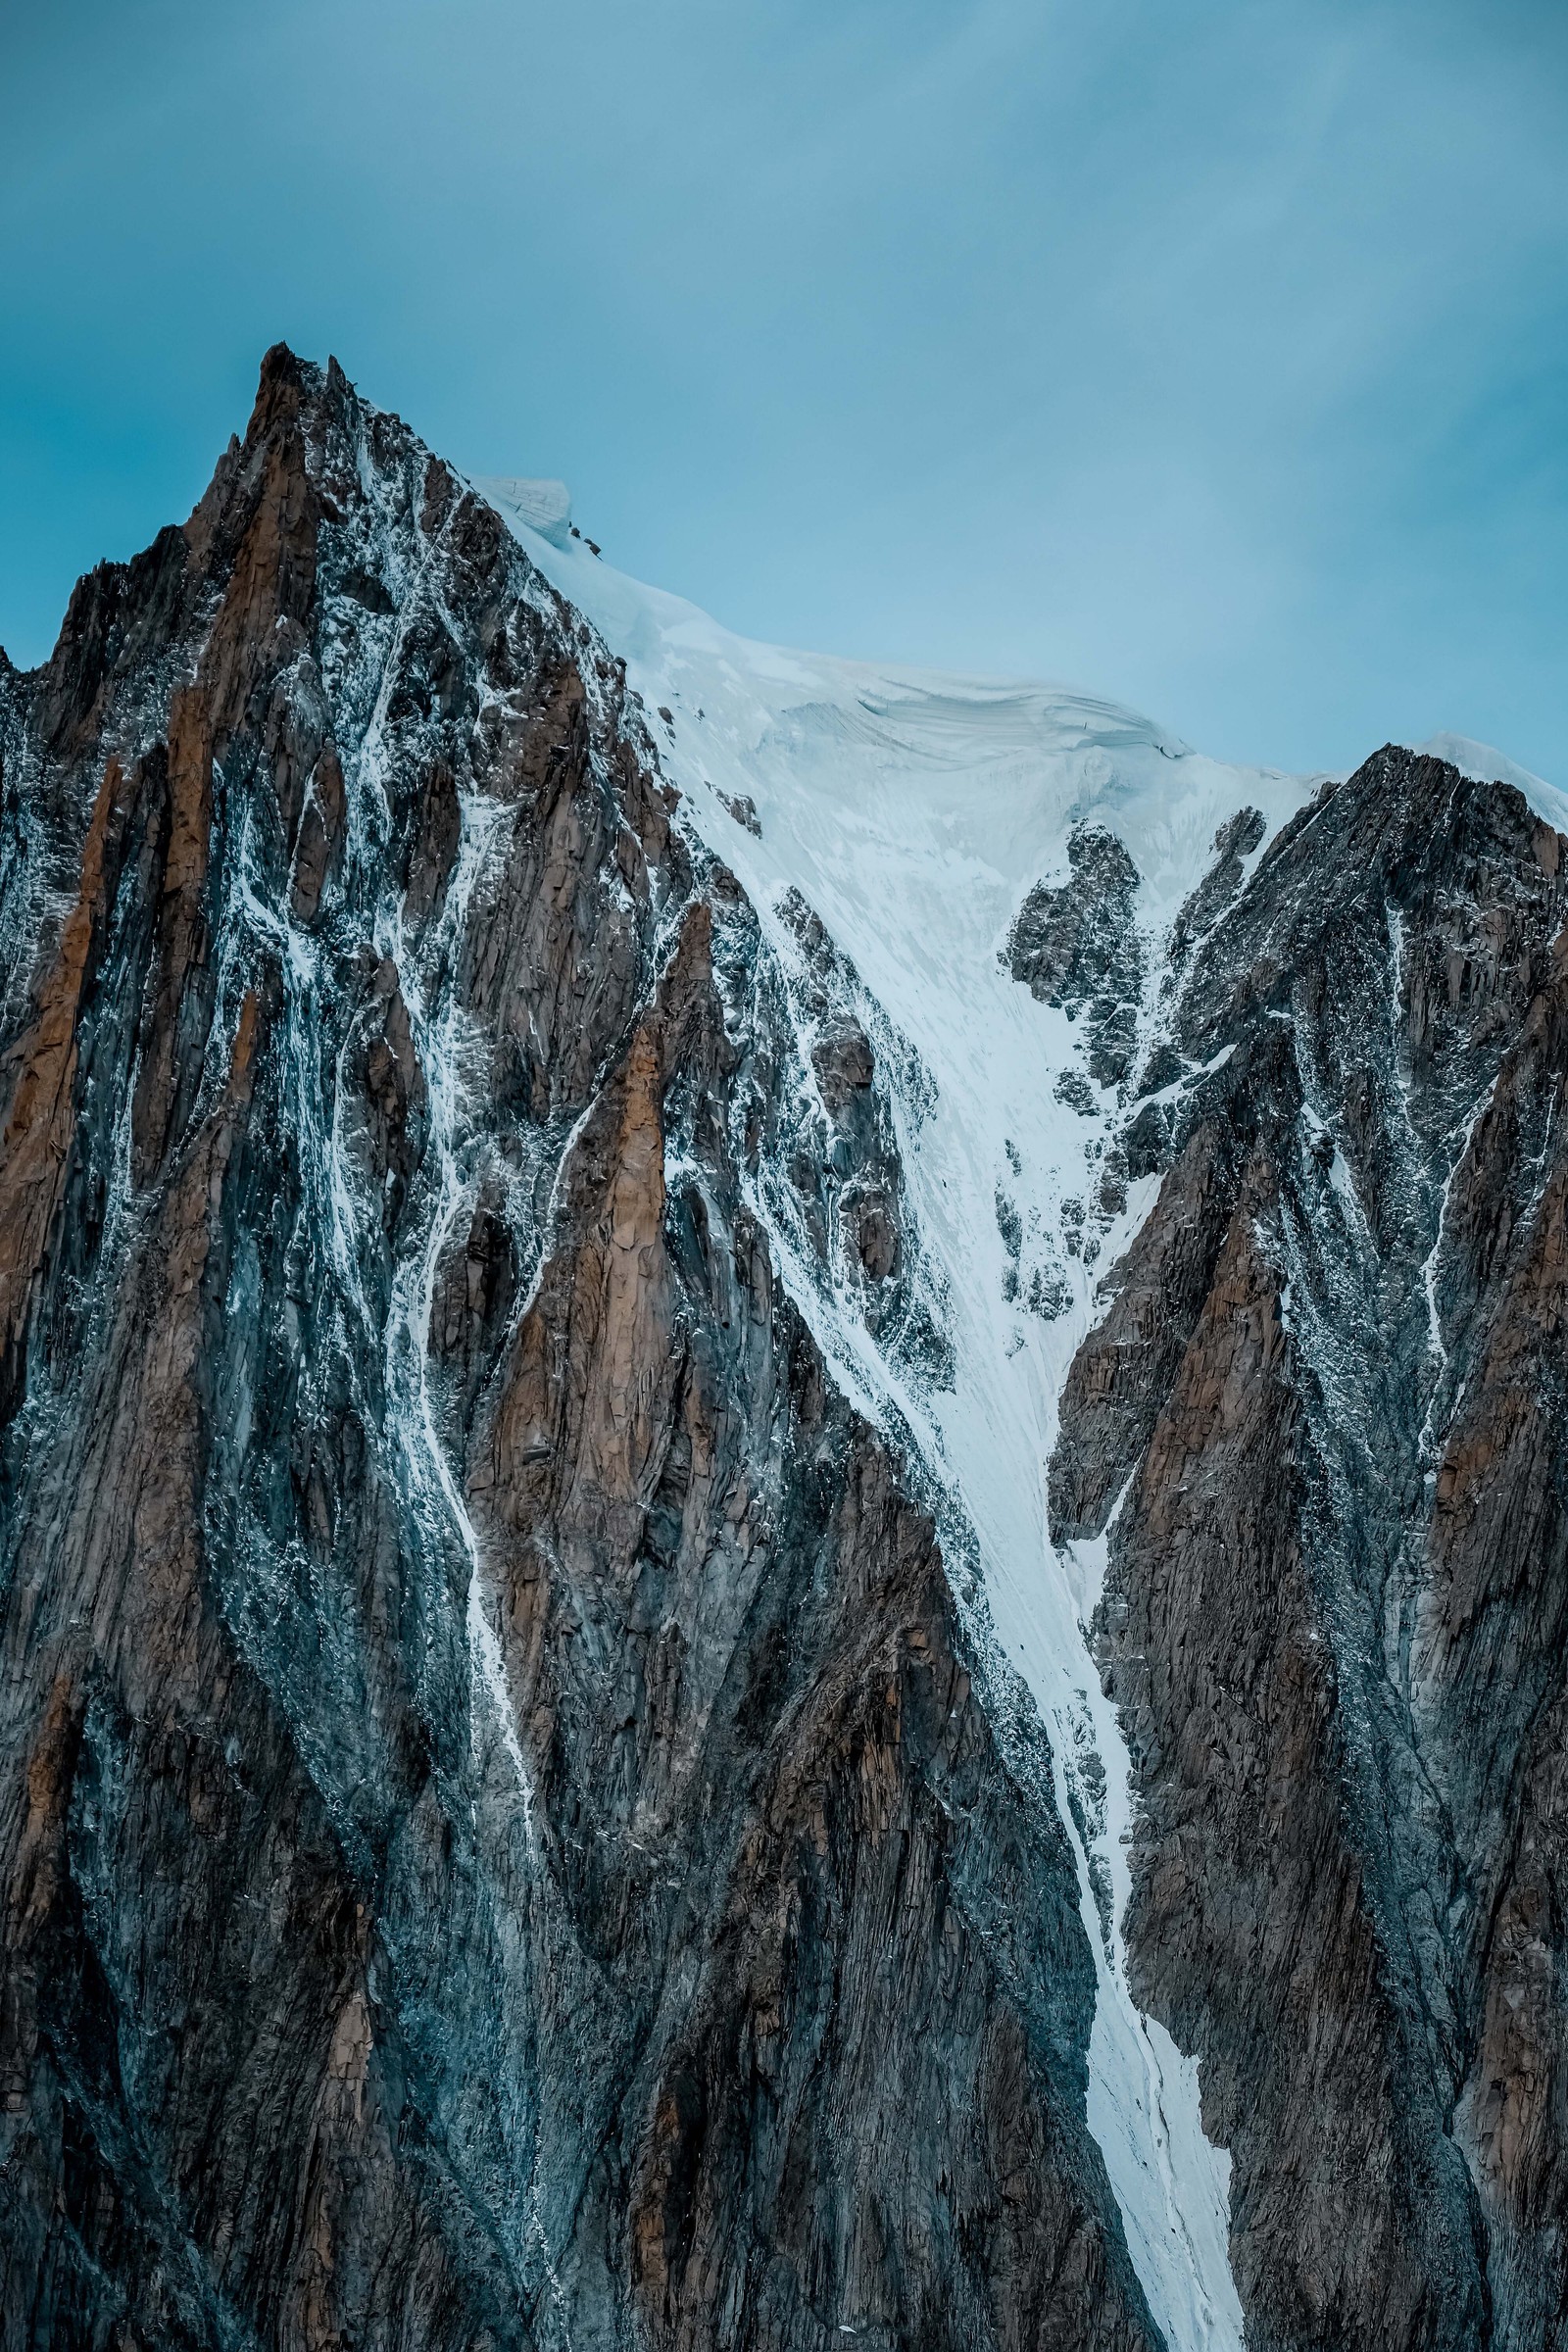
(1211, 356)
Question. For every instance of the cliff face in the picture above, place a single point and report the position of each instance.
(1333, 1374)
(503, 1835)
(555, 1782)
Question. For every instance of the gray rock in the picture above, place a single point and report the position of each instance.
(505, 1837)
(1077, 946)
(1338, 1595)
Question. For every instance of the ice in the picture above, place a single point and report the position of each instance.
(544, 506)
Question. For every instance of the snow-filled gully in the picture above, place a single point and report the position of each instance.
(913, 814)
(929, 956)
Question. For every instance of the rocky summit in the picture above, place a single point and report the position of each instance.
(783, 1481)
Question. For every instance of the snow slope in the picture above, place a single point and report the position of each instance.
(913, 812)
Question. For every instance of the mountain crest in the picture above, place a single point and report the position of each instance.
(781, 1552)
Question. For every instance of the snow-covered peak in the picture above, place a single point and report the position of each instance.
(1002, 769)
(1487, 765)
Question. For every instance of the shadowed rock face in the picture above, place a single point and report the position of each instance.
(1332, 1369)
(504, 1835)
(1077, 946)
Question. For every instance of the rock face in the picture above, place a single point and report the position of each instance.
(505, 1835)
(1333, 1372)
(1077, 946)
(518, 1825)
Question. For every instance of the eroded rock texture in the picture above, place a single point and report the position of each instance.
(505, 1837)
(1076, 946)
(1333, 1371)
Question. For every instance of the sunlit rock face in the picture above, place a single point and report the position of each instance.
(724, 1469)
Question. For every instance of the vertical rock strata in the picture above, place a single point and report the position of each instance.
(510, 1834)
(1331, 1381)
(503, 1839)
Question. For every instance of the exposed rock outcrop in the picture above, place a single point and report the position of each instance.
(516, 1825)
(1331, 1371)
(1077, 946)
(507, 1835)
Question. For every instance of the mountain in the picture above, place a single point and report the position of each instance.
(782, 1537)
